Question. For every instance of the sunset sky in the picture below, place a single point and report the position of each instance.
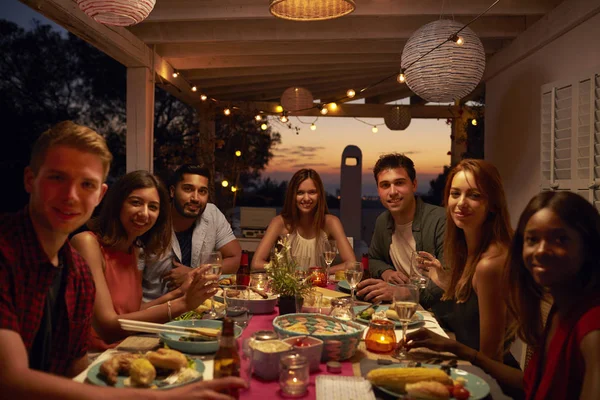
(426, 141)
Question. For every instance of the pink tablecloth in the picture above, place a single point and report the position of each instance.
(260, 389)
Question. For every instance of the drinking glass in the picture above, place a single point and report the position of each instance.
(237, 304)
(354, 273)
(329, 252)
(215, 262)
(417, 277)
(302, 266)
(405, 299)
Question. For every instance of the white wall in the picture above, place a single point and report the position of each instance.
(512, 120)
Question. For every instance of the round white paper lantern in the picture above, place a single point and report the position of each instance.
(296, 99)
(448, 73)
(398, 118)
(117, 12)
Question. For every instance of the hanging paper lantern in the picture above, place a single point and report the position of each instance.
(296, 99)
(449, 72)
(398, 118)
(117, 12)
(311, 10)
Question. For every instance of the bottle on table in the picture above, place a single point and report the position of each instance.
(365, 263)
(243, 272)
(227, 359)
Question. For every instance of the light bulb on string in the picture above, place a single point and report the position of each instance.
(279, 109)
(194, 88)
(283, 118)
(238, 153)
(227, 111)
(264, 127)
(175, 73)
(224, 183)
(313, 127)
(457, 39)
(350, 93)
(474, 122)
(258, 117)
(401, 77)
(203, 97)
(374, 129)
(324, 110)
(332, 106)
(233, 189)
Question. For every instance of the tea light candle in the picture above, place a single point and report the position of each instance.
(318, 277)
(293, 375)
(381, 337)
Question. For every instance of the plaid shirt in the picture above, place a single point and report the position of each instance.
(26, 275)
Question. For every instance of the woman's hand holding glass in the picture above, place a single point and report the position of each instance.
(214, 261)
(405, 300)
(199, 287)
(432, 267)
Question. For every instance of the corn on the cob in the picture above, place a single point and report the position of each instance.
(395, 379)
(142, 372)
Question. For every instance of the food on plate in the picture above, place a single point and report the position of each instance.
(227, 281)
(142, 373)
(203, 335)
(232, 292)
(167, 359)
(393, 315)
(207, 305)
(427, 390)
(270, 346)
(119, 364)
(367, 314)
(395, 379)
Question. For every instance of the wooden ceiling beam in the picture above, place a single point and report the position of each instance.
(272, 47)
(281, 61)
(221, 73)
(376, 27)
(346, 74)
(203, 10)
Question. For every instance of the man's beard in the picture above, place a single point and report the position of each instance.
(186, 214)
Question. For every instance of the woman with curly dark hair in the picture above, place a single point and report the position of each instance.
(134, 220)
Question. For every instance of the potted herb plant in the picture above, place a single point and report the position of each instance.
(284, 281)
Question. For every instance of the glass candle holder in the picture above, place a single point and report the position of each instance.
(259, 281)
(342, 309)
(318, 277)
(381, 337)
(293, 375)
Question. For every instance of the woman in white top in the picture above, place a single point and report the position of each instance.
(305, 217)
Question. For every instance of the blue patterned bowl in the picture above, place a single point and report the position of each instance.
(340, 338)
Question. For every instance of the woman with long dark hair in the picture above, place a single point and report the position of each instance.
(476, 243)
(555, 252)
(135, 216)
(305, 217)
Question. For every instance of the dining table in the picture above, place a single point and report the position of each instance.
(353, 369)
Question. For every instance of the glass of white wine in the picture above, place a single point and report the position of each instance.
(214, 260)
(354, 273)
(329, 253)
(417, 277)
(405, 300)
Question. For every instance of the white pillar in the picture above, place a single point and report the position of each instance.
(140, 119)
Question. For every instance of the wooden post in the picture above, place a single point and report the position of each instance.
(140, 119)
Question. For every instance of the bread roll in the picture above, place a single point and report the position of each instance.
(427, 390)
(167, 359)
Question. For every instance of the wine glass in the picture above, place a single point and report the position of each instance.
(214, 260)
(329, 252)
(417, 277)
(354, 273)
(405, 299)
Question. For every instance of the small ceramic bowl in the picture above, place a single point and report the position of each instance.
(311, 348)
(206, 347)
(265, 359)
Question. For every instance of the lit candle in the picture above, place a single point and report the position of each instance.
(294, 375)
(381, 337)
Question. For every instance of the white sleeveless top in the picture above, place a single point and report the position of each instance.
(311, 250)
